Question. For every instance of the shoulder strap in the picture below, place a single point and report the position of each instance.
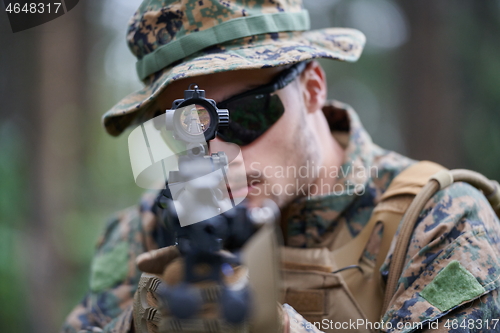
(395, 200)
(412, 179)
(367, 288)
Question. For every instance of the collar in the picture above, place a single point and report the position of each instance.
(307, 218)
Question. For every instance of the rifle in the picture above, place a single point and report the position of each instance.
(203, 244)
(214, 232)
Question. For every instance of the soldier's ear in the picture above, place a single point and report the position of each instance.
(313, 82)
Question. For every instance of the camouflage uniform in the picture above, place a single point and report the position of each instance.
(457, 224)
(454, 241)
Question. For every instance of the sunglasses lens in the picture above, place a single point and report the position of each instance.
(250, 117)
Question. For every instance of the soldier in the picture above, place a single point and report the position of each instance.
(230, 48)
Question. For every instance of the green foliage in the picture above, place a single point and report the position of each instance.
(477, 49)
(12, 194)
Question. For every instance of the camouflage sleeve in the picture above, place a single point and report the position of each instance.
(114, 276)
(451, 277)
(299, 324)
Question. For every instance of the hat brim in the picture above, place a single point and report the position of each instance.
(263, 51)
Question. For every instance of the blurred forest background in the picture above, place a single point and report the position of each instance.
(428, 86)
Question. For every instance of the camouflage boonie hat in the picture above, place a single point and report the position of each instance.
(174, 39)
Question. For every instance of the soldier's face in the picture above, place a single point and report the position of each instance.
(280, 163)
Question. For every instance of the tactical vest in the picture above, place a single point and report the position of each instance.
(333, 287)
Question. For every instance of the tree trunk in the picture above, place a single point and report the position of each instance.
(56, 147)
(430, 90)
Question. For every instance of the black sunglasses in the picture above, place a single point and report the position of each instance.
(253, 112)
